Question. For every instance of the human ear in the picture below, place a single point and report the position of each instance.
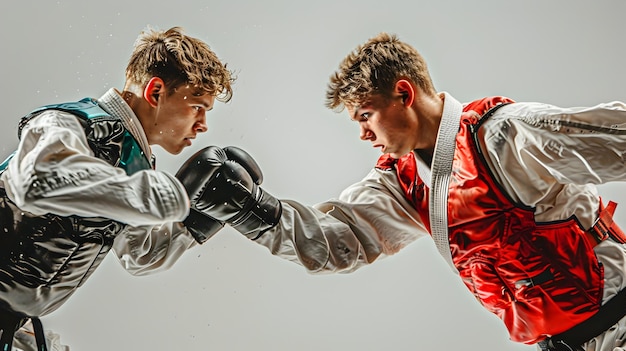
(405, 89)
(152, 90)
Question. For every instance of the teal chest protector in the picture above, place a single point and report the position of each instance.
(46, 255)
(107, 137)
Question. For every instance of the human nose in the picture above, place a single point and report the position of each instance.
(365, 134)
(201, 125)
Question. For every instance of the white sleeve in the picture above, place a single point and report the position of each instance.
(54, 171)
(24, 339)
(550, 157)
(147, 249)
(370, 220)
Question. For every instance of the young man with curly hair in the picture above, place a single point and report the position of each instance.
(506, 189)
(82, 181)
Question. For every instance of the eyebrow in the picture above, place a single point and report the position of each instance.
(206, 106)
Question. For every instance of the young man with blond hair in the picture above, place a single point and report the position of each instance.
(82, 181)
(506, 189)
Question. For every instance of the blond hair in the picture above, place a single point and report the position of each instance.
(374, 68)
(179, 60)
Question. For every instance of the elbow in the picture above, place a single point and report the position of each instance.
(339, 258)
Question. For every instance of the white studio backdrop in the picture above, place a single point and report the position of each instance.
(231, 294)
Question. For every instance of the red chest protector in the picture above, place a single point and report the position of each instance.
(539, 278)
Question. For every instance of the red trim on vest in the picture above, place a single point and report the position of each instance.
(539, 278)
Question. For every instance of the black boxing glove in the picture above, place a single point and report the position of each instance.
(225, 188)
(194, 174)
(233, 195)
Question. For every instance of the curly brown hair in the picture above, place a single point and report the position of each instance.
(373, 68)
(179, 59)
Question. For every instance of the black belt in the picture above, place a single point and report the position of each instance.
(10, 323)
(607, 316)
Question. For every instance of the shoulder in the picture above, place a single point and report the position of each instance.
(50, 119)
(481, 106)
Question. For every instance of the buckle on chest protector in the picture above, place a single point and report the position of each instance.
(604, 227)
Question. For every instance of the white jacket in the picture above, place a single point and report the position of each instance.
(148, 204)
(540, 162)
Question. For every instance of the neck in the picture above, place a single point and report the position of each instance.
(141, 109)
(130, 97)
(430, 110)
(133, 95)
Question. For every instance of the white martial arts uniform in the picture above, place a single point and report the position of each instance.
(543, 165)
(149, 204)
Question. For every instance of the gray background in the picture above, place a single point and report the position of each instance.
(231, 294)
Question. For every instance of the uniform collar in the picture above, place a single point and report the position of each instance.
(113, 103)
(450, 117)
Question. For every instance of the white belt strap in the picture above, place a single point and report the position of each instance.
(441, 170)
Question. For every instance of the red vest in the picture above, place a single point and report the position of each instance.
(539, 278)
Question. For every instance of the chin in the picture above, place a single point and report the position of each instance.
(174, 150)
